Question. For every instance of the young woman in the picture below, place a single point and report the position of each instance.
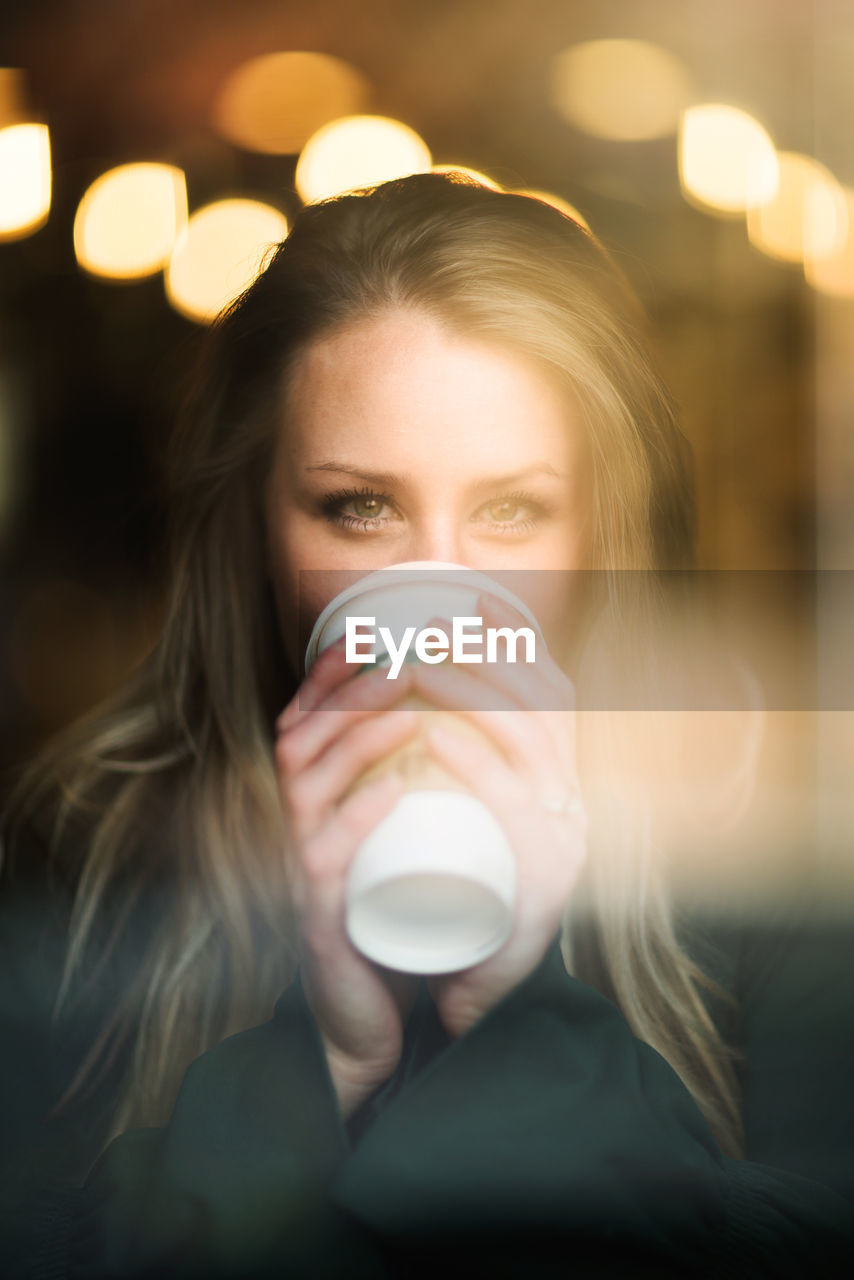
(430, 371)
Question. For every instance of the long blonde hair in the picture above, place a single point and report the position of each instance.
(172, 787)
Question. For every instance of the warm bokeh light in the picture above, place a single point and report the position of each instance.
(219, 254)
(13, 96)
(808, 217)
(627, 90)
(834, 274)
(358, 151)
(24, 179)
(483, 179)
(727, 161)
(128, 220)
(276, 102)
(557, 202)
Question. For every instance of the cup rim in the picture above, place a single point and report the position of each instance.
(443, 570)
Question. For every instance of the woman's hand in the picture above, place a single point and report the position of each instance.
(526, 774)
(332, 730)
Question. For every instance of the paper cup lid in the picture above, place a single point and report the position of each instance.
(432, 887)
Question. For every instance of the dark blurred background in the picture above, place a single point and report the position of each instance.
(757, 346)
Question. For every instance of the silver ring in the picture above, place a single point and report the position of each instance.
(566, 805)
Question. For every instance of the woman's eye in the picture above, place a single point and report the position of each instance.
(511, 514)
(503, 511)
(368, 512)
(354, 510)
(366, 508)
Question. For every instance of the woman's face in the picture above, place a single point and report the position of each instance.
(406, 441)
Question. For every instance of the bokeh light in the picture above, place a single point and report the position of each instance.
(807, 217)
(475, 175)
(25, 179)
(219, 254)
(358, 151)
(557, 202)
(626, 90)
(276, 102)
(128, 220)
(13, 95)
(834, 274)
(727, 161)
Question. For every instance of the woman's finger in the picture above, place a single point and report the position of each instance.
(461, 689)
(330, 669)
(305, 739)
(327, 856)
(488, 775)
(329, 672)
(553, 795)
(542, 691)
(527, 738)
(311, 793)
(540, 684)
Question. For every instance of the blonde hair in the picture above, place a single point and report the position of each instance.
(173, 785)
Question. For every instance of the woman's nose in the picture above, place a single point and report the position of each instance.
(442, 543)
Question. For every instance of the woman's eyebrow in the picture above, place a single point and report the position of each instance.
(486, 482)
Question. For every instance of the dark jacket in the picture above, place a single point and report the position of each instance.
(547, 1141)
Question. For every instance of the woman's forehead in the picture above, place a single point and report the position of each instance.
(409, 386)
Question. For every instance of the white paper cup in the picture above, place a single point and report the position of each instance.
(409, 594)
(432, 888)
